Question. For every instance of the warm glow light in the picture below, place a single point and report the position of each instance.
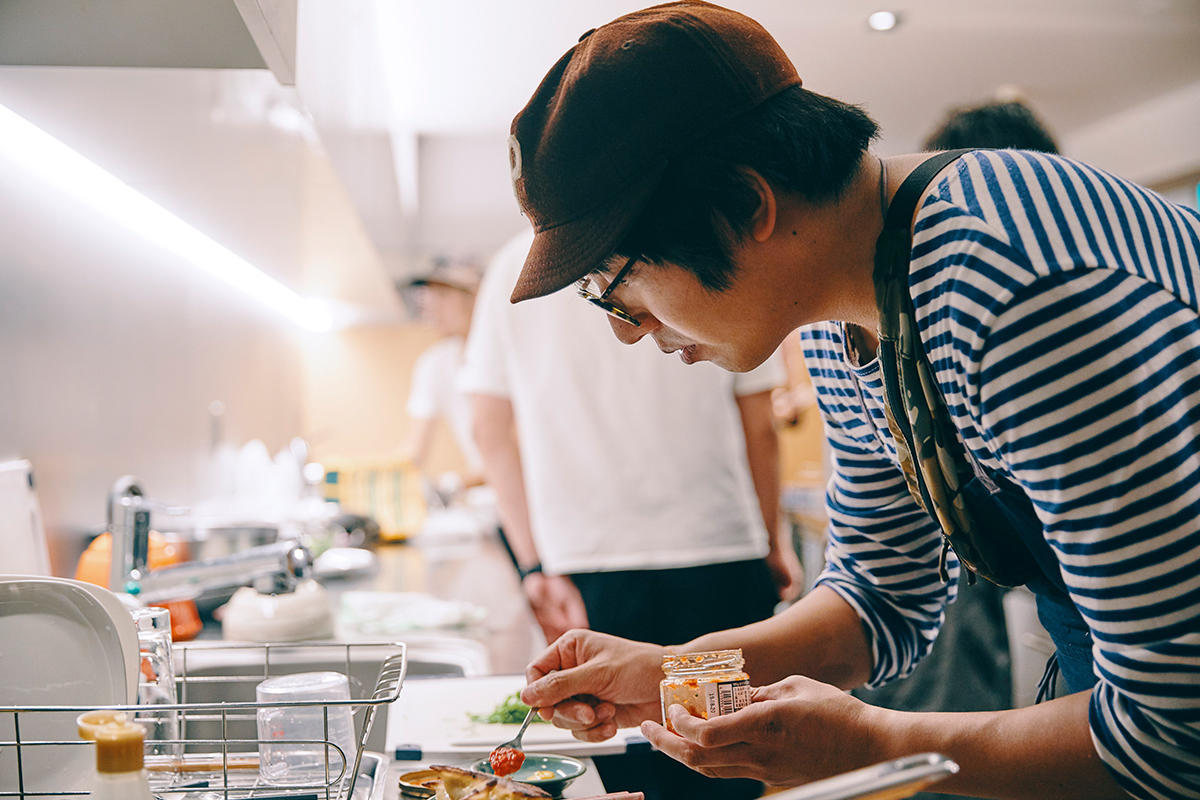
(69, 171)
(882, 21)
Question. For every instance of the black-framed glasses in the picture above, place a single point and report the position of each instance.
(600, 299)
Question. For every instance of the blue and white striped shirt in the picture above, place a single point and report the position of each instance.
(1058, 306)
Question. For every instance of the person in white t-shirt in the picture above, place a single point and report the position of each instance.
(639, 495)
(447, 297)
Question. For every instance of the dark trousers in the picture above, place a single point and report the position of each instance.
(670, 607)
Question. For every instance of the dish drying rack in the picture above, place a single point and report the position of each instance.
(226, 766)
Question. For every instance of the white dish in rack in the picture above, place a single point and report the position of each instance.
(62, 643)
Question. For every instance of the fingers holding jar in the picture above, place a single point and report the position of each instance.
(716, 747)
(792, 732)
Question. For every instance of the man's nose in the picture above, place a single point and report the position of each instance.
(631, 334)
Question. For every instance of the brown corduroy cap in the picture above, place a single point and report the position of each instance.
(589, 148)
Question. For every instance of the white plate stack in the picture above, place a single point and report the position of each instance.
(62, 643)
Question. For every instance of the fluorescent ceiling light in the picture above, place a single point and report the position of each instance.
(882, 21)
(66, 169)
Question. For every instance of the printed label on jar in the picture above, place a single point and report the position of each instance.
(726, 697)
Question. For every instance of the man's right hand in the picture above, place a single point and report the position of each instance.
(556, 603)
(592, 683)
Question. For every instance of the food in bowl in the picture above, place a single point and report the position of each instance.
(543, 770)
(454, 783)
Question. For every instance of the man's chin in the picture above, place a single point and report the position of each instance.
(736, 362)
(728, 361)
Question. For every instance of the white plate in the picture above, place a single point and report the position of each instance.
(62, 643)
(117, 611)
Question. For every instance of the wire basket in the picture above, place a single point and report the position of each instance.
(216, 754)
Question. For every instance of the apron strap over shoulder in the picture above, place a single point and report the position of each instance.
(988, 520)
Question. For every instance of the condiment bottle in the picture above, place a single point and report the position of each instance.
(119, 755)
(709, 684)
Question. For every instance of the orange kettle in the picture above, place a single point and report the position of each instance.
(94, 564)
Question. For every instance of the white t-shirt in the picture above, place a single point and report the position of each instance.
(435, 393)
(631, 459)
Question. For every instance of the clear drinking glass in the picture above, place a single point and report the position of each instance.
(156, 683)
(286, 761)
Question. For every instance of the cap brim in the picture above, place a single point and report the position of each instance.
(563, 254)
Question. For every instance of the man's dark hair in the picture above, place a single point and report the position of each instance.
(998, 125)
(799, 141)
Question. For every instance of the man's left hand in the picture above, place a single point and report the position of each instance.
(794, 731)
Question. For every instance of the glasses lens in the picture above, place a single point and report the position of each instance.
(613, 311)
(590, 290)
(590, 287)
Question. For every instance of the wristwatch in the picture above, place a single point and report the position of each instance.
(525, 572)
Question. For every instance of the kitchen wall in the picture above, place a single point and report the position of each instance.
(111, 351)
(112, 348)
(356, 385)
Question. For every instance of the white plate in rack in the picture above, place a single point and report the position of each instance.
(62, 643)
(118, 613)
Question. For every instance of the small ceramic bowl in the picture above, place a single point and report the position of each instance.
(412, 783)
(548, 772)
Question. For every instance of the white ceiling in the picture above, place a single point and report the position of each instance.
(467, 65)
(412, 99)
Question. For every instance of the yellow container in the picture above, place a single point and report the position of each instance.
(390, 492)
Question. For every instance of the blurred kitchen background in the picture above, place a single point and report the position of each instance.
(340, 145)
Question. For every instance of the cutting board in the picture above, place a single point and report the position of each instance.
(432, 719)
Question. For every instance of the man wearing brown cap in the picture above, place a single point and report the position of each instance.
(1011, 390)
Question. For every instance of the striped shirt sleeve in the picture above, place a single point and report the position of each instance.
(883, 550)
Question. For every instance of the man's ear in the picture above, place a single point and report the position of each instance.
(762, 223)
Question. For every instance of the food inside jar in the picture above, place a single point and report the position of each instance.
(705, 697)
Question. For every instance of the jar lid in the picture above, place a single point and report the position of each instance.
(705, 661)
(118, 740)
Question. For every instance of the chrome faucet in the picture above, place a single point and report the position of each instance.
(272, 568)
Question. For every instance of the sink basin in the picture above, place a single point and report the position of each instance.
(212, 672)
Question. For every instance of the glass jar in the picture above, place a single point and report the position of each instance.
(709, 684)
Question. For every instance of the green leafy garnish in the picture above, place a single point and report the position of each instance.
(510, 711)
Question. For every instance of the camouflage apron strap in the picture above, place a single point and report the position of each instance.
(926, 441)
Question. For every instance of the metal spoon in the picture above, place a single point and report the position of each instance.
(515, 742)
(508, 758)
